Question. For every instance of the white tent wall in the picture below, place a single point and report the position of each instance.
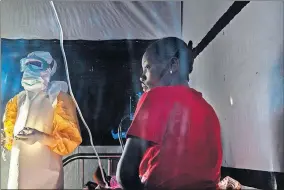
(241, 74)
(90, 20)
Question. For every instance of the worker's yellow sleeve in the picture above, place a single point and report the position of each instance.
(66, 132)
(9, 120)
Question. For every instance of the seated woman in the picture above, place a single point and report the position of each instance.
(174, 140)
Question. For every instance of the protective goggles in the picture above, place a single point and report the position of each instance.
(34, 64)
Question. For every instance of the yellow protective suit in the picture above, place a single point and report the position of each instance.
(39, 166)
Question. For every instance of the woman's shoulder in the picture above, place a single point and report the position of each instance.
(166, 90)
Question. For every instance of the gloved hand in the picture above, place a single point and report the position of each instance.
(3, 139)
(30, 136)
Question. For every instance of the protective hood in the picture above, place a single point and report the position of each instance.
(38, 67)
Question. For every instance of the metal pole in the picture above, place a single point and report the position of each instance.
(83, 171)
(109, 167)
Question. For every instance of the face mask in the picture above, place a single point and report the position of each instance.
(37, 69)
(35, 80)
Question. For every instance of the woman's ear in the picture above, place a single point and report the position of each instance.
(174, 65)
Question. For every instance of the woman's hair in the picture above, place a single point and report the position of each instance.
(172, 47)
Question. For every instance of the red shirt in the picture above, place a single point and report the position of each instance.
(185, 131)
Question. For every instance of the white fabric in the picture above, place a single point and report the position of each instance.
(23, 112)
(55, 88)
(90, 20)
(36, 166)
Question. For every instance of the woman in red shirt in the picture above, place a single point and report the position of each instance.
(174, 140)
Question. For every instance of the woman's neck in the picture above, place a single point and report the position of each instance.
(178, 81)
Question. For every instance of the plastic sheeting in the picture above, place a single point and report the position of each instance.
(240, 73)
(90, 20)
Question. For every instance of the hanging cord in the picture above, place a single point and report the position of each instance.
(139, 94)
(120, 132)
(72, 95)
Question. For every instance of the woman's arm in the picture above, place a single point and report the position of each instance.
(146, 129)
(128, 167)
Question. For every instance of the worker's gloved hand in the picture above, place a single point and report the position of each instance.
(3, 139)
(30, 136)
